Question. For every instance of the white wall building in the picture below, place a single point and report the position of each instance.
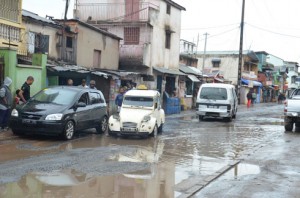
(151, 34)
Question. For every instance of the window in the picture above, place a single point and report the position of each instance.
(138, 101)
(189, 87)
(84, 98)
(55, 96)
(69, 42)
(213, 93)
(131, 35)
(40, 43)
(97, 58)
(293, 79)
(95, 98)
(168, 9)
(216, 64)
(168, 40)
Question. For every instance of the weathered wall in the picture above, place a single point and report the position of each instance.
(90, 40)
(45, 30)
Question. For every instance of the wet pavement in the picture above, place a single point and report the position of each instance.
(190, 155)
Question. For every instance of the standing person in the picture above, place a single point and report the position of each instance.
(265, 96)
(253, 97)
(6, 102)
(119, 98)
(70, 82)
(83, 84)
(25, 89)
(249, 98)
(93, 84)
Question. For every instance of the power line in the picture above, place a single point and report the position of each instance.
(211, 27)
(270, 31)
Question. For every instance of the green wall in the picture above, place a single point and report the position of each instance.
(19, 73)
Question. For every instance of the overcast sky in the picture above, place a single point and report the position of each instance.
(271, 25)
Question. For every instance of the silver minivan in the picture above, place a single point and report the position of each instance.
(217, 100)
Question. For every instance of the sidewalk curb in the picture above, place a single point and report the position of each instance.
(208, 179)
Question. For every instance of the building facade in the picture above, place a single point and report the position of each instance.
(292, 75)
(151, 33)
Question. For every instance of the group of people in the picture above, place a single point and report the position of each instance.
(7, 102)
(83, 84)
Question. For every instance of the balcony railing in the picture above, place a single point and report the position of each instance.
(114, 12)
(9, 33)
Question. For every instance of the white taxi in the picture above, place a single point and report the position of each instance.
(140, 115)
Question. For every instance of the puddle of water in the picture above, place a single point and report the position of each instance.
(241, 170)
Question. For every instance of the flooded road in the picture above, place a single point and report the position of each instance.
(188, 153)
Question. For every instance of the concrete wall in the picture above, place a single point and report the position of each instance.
(19, 73)
(89, 40)
(228, 65)
(45, 30)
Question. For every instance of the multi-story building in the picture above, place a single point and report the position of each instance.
(151, 33)
(188, 53)
(293, 73)
(226, 64)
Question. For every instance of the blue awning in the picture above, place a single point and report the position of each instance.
(255, 83)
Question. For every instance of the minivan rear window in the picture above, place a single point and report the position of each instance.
(213, 93)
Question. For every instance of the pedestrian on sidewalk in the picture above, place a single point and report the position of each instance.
(70, 82)
(83, 84)
(93, 84)
(253, 98)
(25, 89)
(119, 98)
(249, 98)
(6, 102)
(265, 96)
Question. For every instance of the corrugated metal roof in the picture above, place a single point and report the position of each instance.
(189, 70)
(35, 16)
(168, 71)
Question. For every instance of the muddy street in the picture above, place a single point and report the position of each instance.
(188, 153)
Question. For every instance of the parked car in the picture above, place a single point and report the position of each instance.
(217, 100)
(140, 115)
(61, 111)
(292, 111)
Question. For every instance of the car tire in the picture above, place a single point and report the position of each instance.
(228, 119)
(103, 125)
(201, 118)
(154, 132)
(288, 126)
(69, 130)
(17, 132)
(234, 115)
(161, 128)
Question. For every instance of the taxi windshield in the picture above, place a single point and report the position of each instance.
(138, 101)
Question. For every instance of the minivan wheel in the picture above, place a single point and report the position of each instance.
(17, 132)
(103, 125)
(201, 118)
(161, 128)
(69, 130)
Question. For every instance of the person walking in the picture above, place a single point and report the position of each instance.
(6, 102)
(25, 89)
(119, 98)
(93, 84)
(265, 96)
(253, 97)
(249, 98)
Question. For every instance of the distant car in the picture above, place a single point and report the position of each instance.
(292, 111)
(140, 115)
(217, 100)
(61, 111)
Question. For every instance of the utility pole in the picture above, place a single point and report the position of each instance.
(204, 54)
(239, 84)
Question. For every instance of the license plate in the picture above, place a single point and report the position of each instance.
(129, 129)
(212, 107)
(29, 121)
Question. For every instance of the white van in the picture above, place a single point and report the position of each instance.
(217, 100)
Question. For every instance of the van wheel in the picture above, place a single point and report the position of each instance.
(103, 125)
(69, 130)
(17, 132)
(234, 115)
(201, 118)
(228, 119)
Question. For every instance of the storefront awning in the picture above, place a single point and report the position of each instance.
(189, 70)
(255, 83)
(169, 71)
(193, 78)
